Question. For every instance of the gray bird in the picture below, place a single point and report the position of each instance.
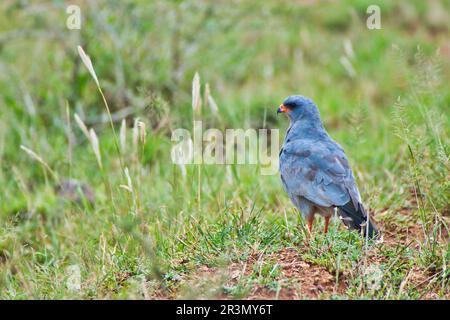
(315, 171)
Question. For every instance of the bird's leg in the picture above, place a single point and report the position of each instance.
(310, 224)
(327, 221)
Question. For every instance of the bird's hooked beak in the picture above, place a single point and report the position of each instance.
(282, 109)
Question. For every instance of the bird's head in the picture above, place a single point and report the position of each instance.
(297, 107)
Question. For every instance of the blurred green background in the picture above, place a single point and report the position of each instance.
(383, 94)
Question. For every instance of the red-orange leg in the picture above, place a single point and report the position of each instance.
(327, 221)
(310, 224)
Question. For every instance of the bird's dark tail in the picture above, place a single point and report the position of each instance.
(357, 219)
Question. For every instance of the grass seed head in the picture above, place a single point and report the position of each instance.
(129, 183)
(82, 126)
(142, 131)
(39, 159)
(135, 133)
(88, 63)
(95, 147)
(196, 99)
(213, 105)
(123, 136)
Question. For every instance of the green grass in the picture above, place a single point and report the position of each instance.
(164, 239)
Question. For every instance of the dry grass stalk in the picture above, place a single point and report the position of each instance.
(196, 99)
(88, 63)
(209, 100)
(206, 94)
(135, 134)
(213, 105)
(82, 126)
(39, 159)
(129, 184)
(123, 136)
(142, 131)
(96, 147)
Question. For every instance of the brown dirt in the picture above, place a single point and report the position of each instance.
(300, 279)
(411, 230)
(306, 279)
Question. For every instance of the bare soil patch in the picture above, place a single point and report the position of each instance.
(306, 280)
(299, 279)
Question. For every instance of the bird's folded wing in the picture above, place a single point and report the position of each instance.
(318, 171)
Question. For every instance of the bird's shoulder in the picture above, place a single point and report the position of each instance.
(315, 148)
